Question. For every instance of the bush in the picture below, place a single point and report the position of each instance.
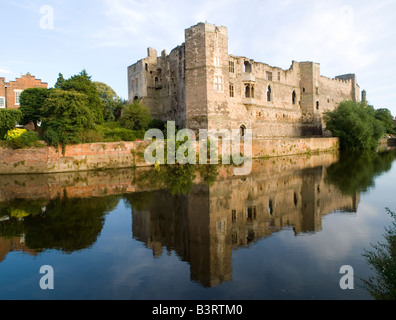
(356, 126)
(21, 138)
(9, 118)
(135, 117)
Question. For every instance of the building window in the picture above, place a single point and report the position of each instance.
(218, 83)
(294, 97)
(269, 93)
(233, 216)
(268, 76)
(17, 96)
(217, 61)
(317, 105)
(231, 91)
(251, 213)
(2, 102)
(247, 67)
(146, 66)
(242, 131)
(249, 91)
(317, 90)
(231, 66)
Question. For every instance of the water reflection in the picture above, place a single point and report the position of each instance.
(382, 259)
(201, 213)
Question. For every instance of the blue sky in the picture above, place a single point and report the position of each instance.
(106, 36)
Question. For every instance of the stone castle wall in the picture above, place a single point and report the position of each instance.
(216, 90)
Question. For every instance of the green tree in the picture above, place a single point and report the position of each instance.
(356, 126)
(111, 102)
(31, 101)
(135, 117)
(82, 83)
(9, 118)
(60, 81)
(66, 114)
(385, 116)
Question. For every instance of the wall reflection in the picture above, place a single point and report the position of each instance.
(219, 214)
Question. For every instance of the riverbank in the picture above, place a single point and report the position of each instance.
(116, 155)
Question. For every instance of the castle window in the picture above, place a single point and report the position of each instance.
(269, 93)
(294, 97)
(303, 90)
(233, 216)
(247, 91)
(231, 91)
(317, 90)
(251, 213)
(242, 130)
(218, 83)
(252, 91)
(268, 76)
(317, 105)
(17, 96)
(270, 207)
(2, 102)
(217, 61)
(231, 66)
(146, 66)
(247, 67)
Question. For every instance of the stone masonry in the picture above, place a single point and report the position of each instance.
(199, 85)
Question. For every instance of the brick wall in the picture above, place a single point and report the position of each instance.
(20, 84)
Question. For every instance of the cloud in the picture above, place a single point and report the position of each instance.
(5, 71)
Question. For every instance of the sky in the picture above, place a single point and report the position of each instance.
(48, 37)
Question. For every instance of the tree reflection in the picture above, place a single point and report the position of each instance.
(62, 224)
(356, 172)
(382, 259)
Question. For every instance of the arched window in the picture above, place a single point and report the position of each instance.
(247, 67)
(269, 93)
(247, 91)
(242, 130)
(294, 97)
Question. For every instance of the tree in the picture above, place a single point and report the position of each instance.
(65, 115)
(385, 116)
(356, 126)
(111, 102)
(9, 118)
(31, 101)
(82, 83)
(60, 81)
(135, 117)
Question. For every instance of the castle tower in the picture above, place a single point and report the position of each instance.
(206, 70)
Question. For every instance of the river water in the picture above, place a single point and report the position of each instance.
(282, 232)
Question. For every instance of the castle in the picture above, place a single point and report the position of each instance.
(199, 85)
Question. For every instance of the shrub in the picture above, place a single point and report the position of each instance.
(8, 120)
(21, 138)
(135, 117)
(356, 126)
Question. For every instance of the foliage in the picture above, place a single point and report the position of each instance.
(111, 102)
(385, 116)
(356, 126)
(382, 259)
(59, 82)
(83, 84)
(25, 140)
(31, 101)
(14, 133)
(8, 120)
(356, 172)
(135, 117)
(66, 115)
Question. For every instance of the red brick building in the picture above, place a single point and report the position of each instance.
(10, 91)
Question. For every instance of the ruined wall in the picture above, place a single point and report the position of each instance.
(223, 91)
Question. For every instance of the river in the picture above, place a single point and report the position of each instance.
(198, 232)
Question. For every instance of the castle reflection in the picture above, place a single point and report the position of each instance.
(66, 211)
(205, 226)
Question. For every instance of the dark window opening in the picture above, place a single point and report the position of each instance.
(295, 199)
(269, 93)
(251, 213)
(270, 207)
(304, 90)
(242, 130)
(248, 67)
(146, 66)
(233, 215)
(294, 97)
(317, 105)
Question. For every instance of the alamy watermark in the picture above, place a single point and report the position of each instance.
(47, 19)
(47, 281)
(236, 147)
(347, 282)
